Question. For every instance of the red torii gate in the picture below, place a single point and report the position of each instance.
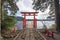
(29, 14)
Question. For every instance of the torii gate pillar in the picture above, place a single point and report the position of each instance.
(29, 14)
(35, 22)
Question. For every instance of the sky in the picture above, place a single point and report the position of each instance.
(26, 6)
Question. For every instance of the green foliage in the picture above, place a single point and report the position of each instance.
(53, 26)
(39, 5)
(12, 4)
(8, 22)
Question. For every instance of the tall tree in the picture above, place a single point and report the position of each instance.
(57, 14)
(8, 20)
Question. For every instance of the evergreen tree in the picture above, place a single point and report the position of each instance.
(8, 21)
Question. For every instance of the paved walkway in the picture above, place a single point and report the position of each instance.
(34, 34)
(29, 34)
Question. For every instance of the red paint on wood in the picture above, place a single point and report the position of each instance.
(14, 30)
(29, 14)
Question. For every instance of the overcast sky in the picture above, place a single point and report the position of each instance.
(26, 6)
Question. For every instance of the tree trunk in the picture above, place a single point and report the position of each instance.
(57, 15)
